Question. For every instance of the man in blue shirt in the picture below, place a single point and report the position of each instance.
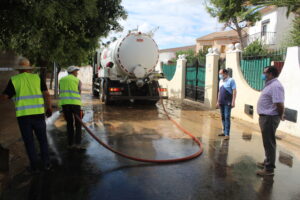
(226, 100)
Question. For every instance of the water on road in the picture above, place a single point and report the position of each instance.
(226, 169)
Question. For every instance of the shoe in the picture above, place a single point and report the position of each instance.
(80, 147)
(264, 172)
(70, 147)
(226, 137)
(32, 171)
(222, 134)
(260, 165)
(48, 167)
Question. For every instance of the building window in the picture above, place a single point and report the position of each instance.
(264, 27)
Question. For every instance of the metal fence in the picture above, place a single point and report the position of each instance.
(266, 38)
(252, 66)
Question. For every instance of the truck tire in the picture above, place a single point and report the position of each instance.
(104, 93)
(94, 87)
(95, 93)
(152, 102)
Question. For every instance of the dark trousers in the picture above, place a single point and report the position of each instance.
(34, 124)
(70, 111)
(225, 114)
(268, 125)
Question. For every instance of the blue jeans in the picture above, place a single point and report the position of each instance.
(225, 114)
(34, 124)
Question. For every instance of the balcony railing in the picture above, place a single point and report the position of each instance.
(266, 38)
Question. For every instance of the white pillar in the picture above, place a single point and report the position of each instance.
(211, 78)
(177, 84)
(289, 79)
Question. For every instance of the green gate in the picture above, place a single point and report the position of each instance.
(195, 81)
(169, 70)
(252, 71)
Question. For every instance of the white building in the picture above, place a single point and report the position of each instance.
(273, 28)
(166, 55)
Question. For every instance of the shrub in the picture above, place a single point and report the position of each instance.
(255, 49)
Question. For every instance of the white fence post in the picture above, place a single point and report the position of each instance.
(211, 78)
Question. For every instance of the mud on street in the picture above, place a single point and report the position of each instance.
(225, 170)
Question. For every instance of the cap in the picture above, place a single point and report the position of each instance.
(72, 69)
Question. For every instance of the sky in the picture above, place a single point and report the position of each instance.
(180, 22)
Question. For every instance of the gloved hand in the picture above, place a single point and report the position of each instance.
(49, 112)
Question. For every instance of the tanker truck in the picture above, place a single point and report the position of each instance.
(125, 70)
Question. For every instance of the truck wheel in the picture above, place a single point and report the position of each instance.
(104, 93)
(95, 93)
(107, 101)
(152, 103)
(101, 93)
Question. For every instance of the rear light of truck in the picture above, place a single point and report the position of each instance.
(115, 89)
(162, 89)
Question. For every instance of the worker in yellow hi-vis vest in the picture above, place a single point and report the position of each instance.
(70, 101)
(31, 98)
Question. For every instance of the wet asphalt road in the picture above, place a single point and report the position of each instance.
(226, 169)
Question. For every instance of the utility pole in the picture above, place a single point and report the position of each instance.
(55, 80)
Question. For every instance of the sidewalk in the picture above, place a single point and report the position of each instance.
(280, 135)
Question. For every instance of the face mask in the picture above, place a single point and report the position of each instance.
(221, 76)
(263, 77)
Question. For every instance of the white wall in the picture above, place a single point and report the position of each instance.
(176, 86)
(283, 27)
(279, 24)
(85, 75)
(272, 16)
(166, 56)
(245, 94)
(289, 78)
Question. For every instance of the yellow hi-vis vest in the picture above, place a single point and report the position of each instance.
(28, 99)
(68, 91)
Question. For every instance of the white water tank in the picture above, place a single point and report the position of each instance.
(134, 55)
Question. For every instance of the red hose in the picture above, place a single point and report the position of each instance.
(198, 153)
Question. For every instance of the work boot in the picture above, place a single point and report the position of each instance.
(226, 137)
(32, 170)
(80, 147)
(260, 165)
(70, 147)
(221, 134)
(265, 172)
(48, 167)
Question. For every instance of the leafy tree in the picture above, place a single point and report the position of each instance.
(63, 31)
(292, 5)
(190, 54)
(295, 32)
(235, 14)
(202, 56)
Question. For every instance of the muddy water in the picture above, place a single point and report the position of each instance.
(226, 170)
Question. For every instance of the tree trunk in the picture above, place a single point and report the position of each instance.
(51, 80)
(239, 32)
(43, 72)
(56, 84)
